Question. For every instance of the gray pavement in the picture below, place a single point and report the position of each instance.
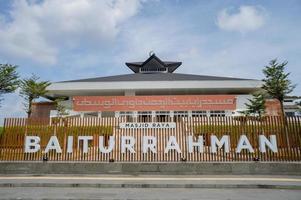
(127, 181)
(149, 187)
(148, 193)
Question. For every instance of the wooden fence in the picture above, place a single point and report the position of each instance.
(288, 135)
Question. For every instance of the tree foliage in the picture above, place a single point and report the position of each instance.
(9, 79)
(60, 107)
(256, 105)
(32, 88)
(276, 82)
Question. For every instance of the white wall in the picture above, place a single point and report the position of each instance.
(241, 100)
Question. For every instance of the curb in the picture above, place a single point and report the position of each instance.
(145, 185)
(203, 168)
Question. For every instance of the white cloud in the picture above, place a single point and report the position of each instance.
(139, 39)
(233, 60)
(12, 106)
(40, 30)
(200, 53)
(248, 18)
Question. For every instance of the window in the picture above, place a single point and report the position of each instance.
(217, 113)
(145, 113)
(162, 112)
(107, 114)
(128, 115)
(290, 114)
(200, 113)
(125, 113)
(162, 116)
(181, 113)
(144, 116)
(146, 70)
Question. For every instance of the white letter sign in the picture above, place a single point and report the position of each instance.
(32, 144)
(198, 144)
(125, 145)
(70, 144)
(263, 141)
(147, 145)
(244, 143)
(220, 143)
(110, 147)
(53, 144)
(85, 140)
(172, 144)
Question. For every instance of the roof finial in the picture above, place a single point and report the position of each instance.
(151, 53)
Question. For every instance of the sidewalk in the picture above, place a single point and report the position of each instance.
(154, 181)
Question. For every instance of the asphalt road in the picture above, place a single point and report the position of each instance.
(150, 187)
(150, 193)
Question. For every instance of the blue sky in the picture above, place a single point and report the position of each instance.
(64, 39)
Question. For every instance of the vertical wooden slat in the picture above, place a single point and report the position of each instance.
(12, 140)
(293, 138)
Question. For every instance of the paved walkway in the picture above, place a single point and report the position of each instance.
(126, 181)
(148, 193)
(150, 187)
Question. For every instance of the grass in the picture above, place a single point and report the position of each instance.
(45, 129)
(1, 130)
(236, 129)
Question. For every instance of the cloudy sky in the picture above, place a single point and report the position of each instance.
(71, 39)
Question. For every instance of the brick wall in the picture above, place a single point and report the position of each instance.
(42, 109)
(272, 107)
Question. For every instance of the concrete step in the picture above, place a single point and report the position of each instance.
(134, 168)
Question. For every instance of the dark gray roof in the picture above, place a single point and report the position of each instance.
(152, 64)
(156, 77)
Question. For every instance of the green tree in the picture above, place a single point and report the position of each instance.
(9, 79)
(61, 109)
(256, 105)
(31, 89)
(276, 82)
